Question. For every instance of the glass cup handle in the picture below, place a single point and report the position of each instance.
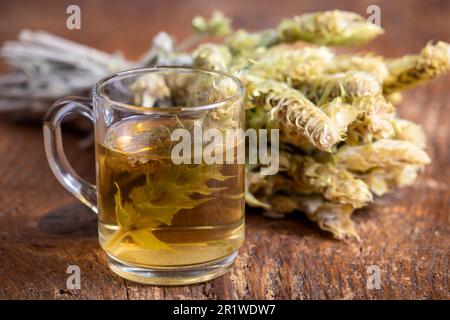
(66, 175)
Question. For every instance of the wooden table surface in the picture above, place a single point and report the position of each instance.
(43, 229)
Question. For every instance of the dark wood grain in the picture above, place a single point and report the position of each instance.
(43, 229)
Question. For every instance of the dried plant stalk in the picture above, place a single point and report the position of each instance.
(329, 28)
(212, 56)
(369, 63)
(335, 184)
(332, 217)
(383, 180)
(292, 65)
(375, 120)
(348, 85)
(381, 154)
(343, 114)
(409, 131)
(412, 70)
(288, 110)
(47, 67)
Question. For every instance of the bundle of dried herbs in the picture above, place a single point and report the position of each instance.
(341, 140)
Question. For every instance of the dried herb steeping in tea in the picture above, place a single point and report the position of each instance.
(170, 181)
(154, 213)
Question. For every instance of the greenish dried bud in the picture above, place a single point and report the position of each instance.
(148, 89)
(282, 194)
(291, 64)
(375, 120)
(280, 205)
(212, 56)
(369, 63)
(218, 25)
(383, 180)
(393, 97)
(290, 111)
(252, 201)
(343, 114)
(260, 188)
(334, 218)
(349, 85)
(382, 153)
(278, 196)
(335, 184)
(412, 70)
(242, 42)
(329, 28)
(409, 131)
(331, 217)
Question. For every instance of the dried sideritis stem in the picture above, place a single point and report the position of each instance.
(329, 28)
(335, 184)
(212, 56)
(348, 85)
(292, 65)
(372, 64)
(291, 112)
(382, 153)
(375, 120)
(383, 180)
(412, 70)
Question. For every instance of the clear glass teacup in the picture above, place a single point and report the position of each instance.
(170, 190)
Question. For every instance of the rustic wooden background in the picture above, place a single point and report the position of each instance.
(43, 229)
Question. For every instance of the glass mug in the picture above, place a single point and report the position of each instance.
(168, 214)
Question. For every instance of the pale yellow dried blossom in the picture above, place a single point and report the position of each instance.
(277, 196)
(242, 41)
(409, 131)
(288, 110)
(412, 70)
(260, 188)
(248, 44)
(335, 218)
(331, 217)
(292, 65)
(343, 114)
(282, 194)
(252, 201)
(394, 97)
(374, 65)
(280, 205)
(217, 25)
(148, 89)
(335, 184)
(348, 85)
(375, 120)
(212, 56)
(329, 28)
(382, 153)
(383, 180)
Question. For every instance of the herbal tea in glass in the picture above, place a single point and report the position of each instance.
(168, 215)
(154, 213)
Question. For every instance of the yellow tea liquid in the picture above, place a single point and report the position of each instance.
(156, 214)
